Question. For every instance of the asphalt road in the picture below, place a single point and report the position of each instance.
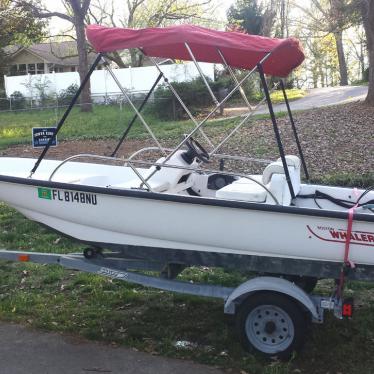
(26, 351)
(315, 98)
(319, 97)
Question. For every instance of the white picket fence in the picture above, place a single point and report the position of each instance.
(102, 84)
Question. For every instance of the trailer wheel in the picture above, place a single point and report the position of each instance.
(271, 324)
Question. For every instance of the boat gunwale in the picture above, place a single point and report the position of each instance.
(136, 193)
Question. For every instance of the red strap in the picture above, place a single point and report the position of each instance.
(351, 212)
(347, 261)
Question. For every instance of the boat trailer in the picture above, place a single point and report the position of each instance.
(272, 312)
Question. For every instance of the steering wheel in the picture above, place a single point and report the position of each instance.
(195, 149)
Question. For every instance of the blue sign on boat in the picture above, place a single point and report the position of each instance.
(41, 136)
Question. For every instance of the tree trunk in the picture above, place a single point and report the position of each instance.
(86, 105)
(268, 19)
(367, 11)
(341, 57)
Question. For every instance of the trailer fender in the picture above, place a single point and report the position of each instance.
(272, 284)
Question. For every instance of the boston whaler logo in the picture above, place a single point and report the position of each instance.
(67, 196)
(332, 234)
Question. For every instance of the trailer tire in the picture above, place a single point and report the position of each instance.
(272, 324)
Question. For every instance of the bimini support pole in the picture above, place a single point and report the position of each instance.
(233, 76)
(276, 130)
(183, 105)
(294, 130)
(198, 67)
(142, 120)
(136, 115)
(67, 112)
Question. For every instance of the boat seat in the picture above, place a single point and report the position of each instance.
(273, 178)
(171, 180)
(244, 189)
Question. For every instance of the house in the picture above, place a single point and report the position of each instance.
(44, 58)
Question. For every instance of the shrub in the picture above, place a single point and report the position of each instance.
(195, 95)
(4, 101)
(66, 96)
(18, 100)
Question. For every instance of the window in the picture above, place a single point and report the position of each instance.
(22, 69)
(72, 68)
(40, 68)
(13, 70)
(31, 68)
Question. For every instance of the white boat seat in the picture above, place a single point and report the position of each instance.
(273, 178)
(244, 189)
(166, 179)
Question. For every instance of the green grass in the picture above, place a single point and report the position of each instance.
(292, 94)
(277, 96)
(104, 122)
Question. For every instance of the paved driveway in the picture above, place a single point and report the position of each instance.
(319, 97)
(26, 351)
(315, 98)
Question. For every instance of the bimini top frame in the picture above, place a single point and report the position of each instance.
(277, 57)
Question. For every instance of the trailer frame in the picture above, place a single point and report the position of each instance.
(311, 306)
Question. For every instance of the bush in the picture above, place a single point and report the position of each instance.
(195, 95)
(18, 100)
(66, 96)
(4, 101)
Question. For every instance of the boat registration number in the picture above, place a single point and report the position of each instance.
(67, 196)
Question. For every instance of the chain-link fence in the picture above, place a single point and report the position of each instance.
(18, 102)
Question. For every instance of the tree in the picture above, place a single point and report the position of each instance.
(248, 15)
(149, 13)
(367, 11)
(76, 12)
(331, 17)
(255, 17)
(357, 42)
(17, 27)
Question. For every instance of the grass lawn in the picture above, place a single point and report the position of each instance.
(292, 94)
(104, 122)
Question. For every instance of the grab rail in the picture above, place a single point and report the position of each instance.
(216, 155)
(159, 165)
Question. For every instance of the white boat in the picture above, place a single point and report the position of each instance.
(176, 210)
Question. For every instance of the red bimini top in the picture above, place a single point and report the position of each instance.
(239, 50)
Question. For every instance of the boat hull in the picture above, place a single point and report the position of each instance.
(117, 218)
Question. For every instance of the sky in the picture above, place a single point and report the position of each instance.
(57, 24)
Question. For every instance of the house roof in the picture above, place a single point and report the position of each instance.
(60, 53)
